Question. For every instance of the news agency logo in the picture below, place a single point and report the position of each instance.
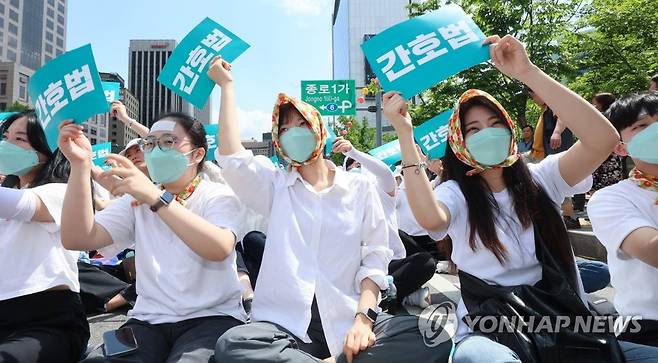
(438, 323)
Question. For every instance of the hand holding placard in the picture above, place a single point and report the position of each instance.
(185, 72)
(416, 54)
(509, 56)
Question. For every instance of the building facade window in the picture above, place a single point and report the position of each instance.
(49, 48)
(13, 15)
(51, 13)
(15, 3)
(60, 42)
(60, 30)
(60, 19)
(13, 29)
(3, 89)
(49, 36)
(11, 55)
(50, 24)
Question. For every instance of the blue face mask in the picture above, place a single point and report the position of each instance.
(490, 146)
(644, 145)
(14, 160)
(356, 170)
(298, 143)
(166, 166)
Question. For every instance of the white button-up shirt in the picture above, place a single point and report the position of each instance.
(320, 244)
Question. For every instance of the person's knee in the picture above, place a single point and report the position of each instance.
(253, 243)
(426, 264)
(474, 347)
(225, 344)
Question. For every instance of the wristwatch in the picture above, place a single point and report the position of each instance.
(165, 199)
(368, 313)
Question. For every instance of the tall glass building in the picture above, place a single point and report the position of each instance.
(32, 32)
(146, 60)
(353, 22)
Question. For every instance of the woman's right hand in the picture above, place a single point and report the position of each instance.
(118, 110)
(220, 71)
(73, 143)
(396, 111)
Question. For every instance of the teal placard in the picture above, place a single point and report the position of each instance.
(112, 91)
(331, 136)
(389, 153)
(68, 87)
(99, 153)
(416, 54)
(211, 137)
(185, 71)
(432, 135)
(5, 115)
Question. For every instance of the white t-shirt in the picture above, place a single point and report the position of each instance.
(521, 266)
(174, 283)
(615, 212)
(406, 220)
(32, 257)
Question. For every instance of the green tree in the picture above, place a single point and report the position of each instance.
(359, 133)
(536, 23)
(614, 47)
(17, 107)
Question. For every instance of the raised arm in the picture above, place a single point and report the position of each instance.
(79, 231)
(229, 137)
(384, 175)
(597, 136)
(430, 214)
(119, 111)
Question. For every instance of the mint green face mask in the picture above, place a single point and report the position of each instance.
(298, 143)
(644, 145)
(490, 146)
(166, 166)
(14, 160)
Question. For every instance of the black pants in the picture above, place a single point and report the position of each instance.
(416, 244)
(48, 326)
(191, 340)
(648, 334)
(410, 273)
(251, 250)
(98, 286)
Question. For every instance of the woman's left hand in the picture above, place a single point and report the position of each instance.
(359, 338)
(341, 145)
(132, 182)
(509, 56)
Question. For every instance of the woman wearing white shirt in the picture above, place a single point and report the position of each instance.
(41, 316)
(327, 248)
(184, 230)
(409, 270)
(497, 210)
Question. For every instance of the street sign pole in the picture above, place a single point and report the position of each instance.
(378, 119)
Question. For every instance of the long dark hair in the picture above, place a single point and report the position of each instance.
(531, 202)
(194, 130)
(56, 168)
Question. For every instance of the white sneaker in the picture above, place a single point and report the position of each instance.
(443, 267)
(420, 298)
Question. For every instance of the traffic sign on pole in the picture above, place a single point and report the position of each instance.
(331, 98)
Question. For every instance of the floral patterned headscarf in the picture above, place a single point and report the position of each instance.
(458, 143)
(311, 115)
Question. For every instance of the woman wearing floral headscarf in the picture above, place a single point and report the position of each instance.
(326, 255)
(503, 216)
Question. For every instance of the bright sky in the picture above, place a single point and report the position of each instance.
(290, 41)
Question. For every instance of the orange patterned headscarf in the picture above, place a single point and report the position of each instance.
(458, 143)
(311, 115)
